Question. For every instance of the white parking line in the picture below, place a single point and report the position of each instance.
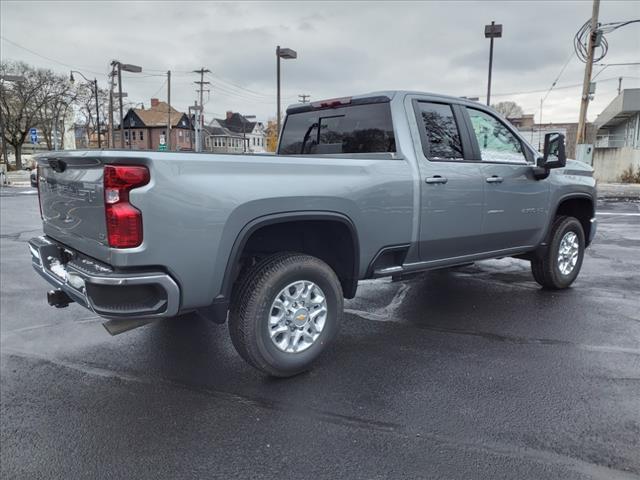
(623, 214)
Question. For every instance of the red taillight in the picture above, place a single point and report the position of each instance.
(124, 221)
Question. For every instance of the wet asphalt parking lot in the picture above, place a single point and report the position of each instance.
(469, 373)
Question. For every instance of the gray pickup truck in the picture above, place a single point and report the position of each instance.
(369, 186)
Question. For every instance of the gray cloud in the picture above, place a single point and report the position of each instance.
(344, 48)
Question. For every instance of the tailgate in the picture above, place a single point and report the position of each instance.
(72, 200)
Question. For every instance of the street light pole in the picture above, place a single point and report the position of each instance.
(278, 87)
(95, 92)
(127, 68)
(287, 54)
(491, 31)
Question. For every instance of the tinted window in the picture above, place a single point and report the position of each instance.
(441, 131)
(351, 129)
(495, 140)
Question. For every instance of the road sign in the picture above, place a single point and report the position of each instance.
(33, 132)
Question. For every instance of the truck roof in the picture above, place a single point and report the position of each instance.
(392, 94)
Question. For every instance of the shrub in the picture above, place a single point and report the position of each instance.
(630, 175)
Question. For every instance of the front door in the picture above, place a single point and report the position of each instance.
(451, 190)
(516, 202)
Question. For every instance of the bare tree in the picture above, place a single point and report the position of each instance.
(509, 109)
(30, 103)
(86, 113)
(62, 95)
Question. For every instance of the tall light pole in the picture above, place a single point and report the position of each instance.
(127, 68)
(95, 92)
(491, 31)
(287, 54)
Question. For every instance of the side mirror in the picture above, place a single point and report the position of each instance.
(554, 155)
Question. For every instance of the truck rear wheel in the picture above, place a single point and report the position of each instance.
(561, 263)
(284, 312)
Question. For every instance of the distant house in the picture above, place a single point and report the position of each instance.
(145, 128)
(234, 134)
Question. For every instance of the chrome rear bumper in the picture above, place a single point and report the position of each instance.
(98, 287)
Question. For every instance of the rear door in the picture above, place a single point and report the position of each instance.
(451, 193)
(516, 202)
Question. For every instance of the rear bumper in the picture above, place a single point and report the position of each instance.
(98, 287)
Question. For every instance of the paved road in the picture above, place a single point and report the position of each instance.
(473, 373)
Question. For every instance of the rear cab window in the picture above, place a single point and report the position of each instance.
(358, 128)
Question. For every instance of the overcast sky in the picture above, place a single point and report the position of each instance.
(343, 49)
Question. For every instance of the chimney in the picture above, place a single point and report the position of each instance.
(154, 102)
(229, 114)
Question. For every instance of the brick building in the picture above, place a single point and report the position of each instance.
(145, 128)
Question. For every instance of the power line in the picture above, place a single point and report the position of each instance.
(563, 87)
(73, 67)
(559, 75)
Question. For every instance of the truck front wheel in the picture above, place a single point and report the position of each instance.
(560, 265)
(284, 312)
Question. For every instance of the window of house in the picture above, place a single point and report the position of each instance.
(442, 135)
(180, 133)
(126, 134)
(141, 135)
(133, 135)
(496, 142)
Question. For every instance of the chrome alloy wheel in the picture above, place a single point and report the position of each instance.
(568, 253)
(297, 316)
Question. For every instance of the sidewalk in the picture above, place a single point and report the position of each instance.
(18, 179)
(619, 191)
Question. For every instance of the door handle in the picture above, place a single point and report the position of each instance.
(436, 179)
(494, 179)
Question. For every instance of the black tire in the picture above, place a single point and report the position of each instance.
(252, 301)
(546, 270)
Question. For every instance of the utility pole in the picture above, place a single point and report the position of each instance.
(588, 68)
(200, 112)
(303, 98)
(619, 85)
(169, 110)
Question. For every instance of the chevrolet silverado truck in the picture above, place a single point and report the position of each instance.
(384, 184)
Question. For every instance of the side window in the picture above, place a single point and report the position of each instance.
(495, 140)
(441, 131)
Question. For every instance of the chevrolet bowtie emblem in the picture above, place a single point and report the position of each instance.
(301, 317)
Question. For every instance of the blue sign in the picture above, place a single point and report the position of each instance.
(34, 135)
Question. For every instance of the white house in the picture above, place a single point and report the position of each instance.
(234, 134)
